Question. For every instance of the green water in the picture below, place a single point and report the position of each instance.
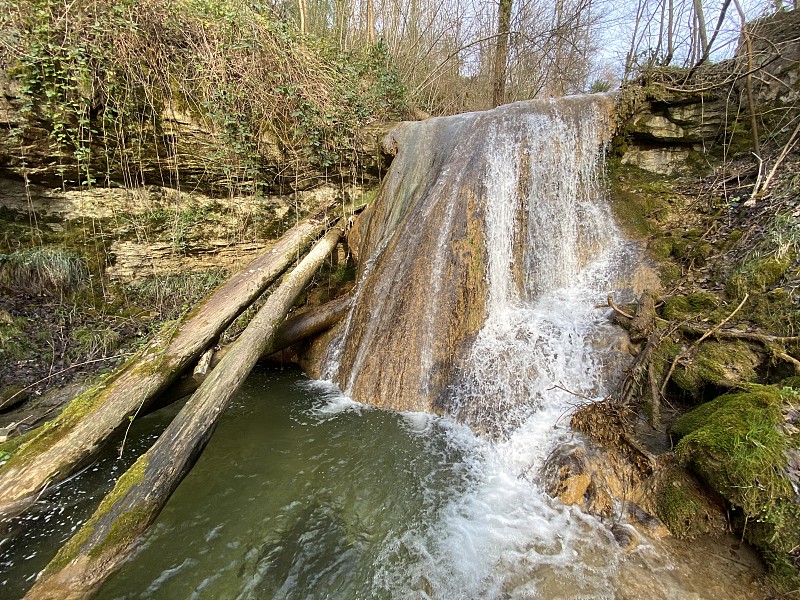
(296, 495)
(303, 494)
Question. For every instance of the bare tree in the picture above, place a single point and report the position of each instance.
(501, 52)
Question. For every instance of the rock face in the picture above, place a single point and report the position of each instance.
(155, 231)
(680, 119)
(179, 151)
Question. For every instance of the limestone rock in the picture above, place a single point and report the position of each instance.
(662, 161)
(659, 128)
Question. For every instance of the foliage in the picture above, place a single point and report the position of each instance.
(105, 75)
(42, 271)
(168, 296)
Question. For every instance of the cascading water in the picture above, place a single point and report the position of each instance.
(489, 226)
(551, 252)
(545, 195)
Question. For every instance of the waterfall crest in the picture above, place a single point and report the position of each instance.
(480, 215)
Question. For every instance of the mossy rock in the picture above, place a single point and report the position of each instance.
(684, 507)
(720, 364)
(774, 311)
(739, 444)
(641, 200)
(661, 248)
(758, 276)
(682, 308)
(669, 273)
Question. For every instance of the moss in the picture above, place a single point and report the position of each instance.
(640, 199)
(737, 443)
(682, 308)
(669, 273)
(124, 528)
(15, 343)
(682, 506)
(10, 446)
(661, 248)
(48, 434)
(791, 382)
(774, 311)
(724, 364)
(758, 275)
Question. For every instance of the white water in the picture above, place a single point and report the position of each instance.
(504, 537)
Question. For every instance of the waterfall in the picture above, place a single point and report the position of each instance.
(488, 246)
(506, 222)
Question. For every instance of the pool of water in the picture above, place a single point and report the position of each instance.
(303, 493)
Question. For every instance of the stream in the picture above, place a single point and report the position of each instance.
(303, 493)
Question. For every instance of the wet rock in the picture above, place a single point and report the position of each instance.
(625, 535)
(646, 522)
(579, 476)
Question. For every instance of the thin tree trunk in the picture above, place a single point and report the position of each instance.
(501, 53)
(371, 37)
(701, 26)
(670, 34)
(75, 436)
(303, 10)
(751, 103)
(707, 51)
(292, 331)
(109, 537)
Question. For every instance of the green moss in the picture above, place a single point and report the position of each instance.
(791, 382)
(10, 446)
(669, 273)
(123, 529)
(723, 364)
(640, 199)
(737, 443)
(15, 343)
(682, 308)
(682, 506)
(52, 431)
(661, 248)
(758, 275)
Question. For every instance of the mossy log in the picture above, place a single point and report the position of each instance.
(108, 538)
(74, 437)
(292, 331)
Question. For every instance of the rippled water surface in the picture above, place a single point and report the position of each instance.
(302, 493)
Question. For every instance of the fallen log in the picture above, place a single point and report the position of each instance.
(109, 537)
(77, 434)
(292, 331)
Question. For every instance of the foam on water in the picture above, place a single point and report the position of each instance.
(552, 251)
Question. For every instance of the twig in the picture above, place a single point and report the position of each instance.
(563, 389)
(697, 342)
(784, 152)
(617, 308)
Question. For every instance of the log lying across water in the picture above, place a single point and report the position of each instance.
(108, 538)
(74, 437)
(292, 331)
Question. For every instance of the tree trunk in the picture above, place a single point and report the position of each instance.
(501, 53)
(303, 10)
(292, 331)
(75, 436)
(108, 538)
(701, 27)
(371, 36)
